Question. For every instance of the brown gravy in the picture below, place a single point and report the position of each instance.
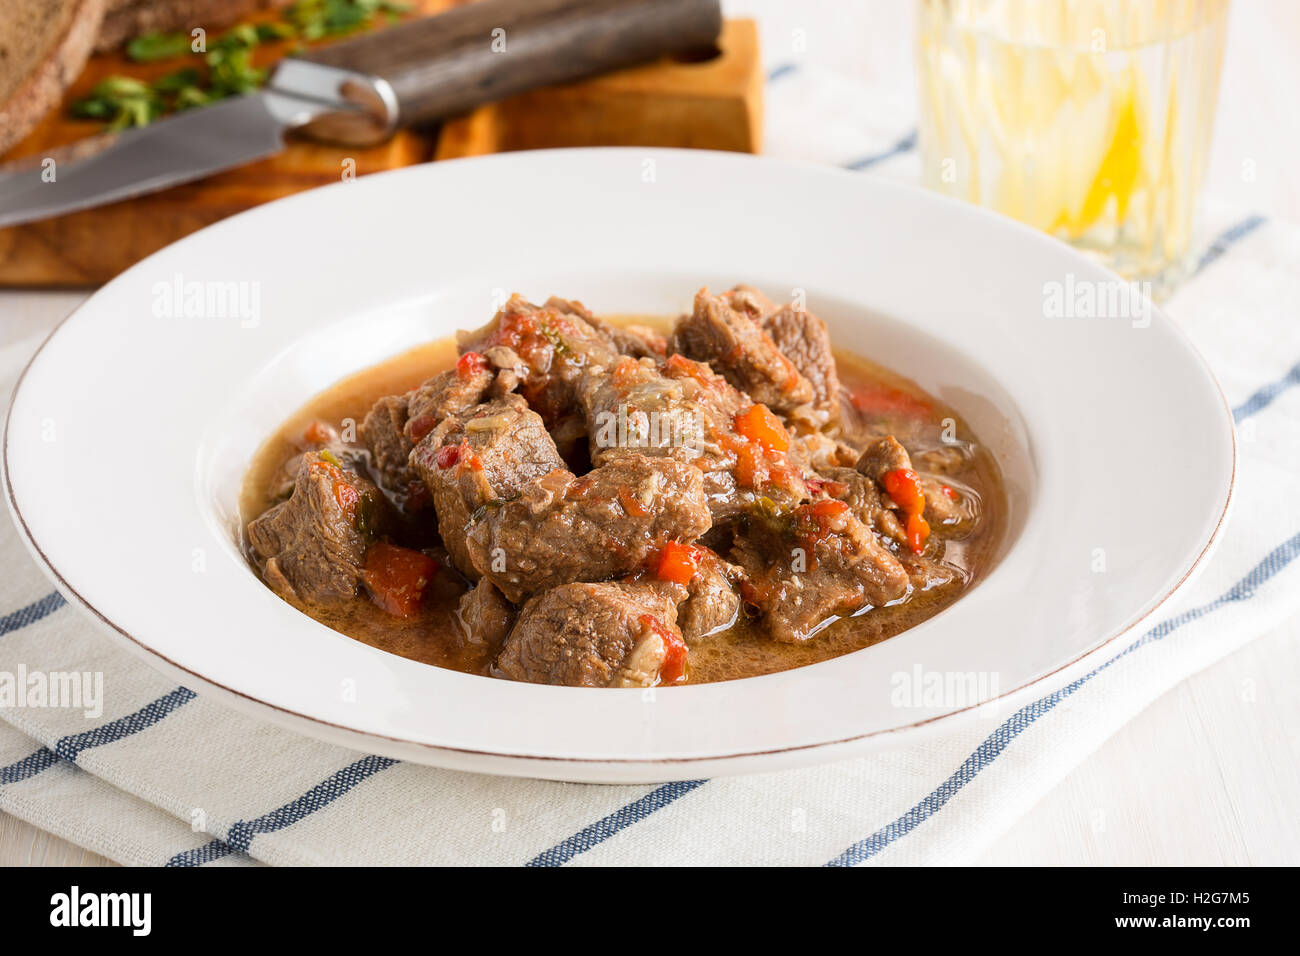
(435, 636)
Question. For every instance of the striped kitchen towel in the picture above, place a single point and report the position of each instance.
(163, 776)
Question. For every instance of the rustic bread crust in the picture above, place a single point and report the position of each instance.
(131, 18)
(43, 89)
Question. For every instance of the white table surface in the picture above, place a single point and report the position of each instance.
(1210, 772)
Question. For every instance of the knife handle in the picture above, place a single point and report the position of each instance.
(448, 64)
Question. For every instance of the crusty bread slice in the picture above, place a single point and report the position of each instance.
(43, 48)
(131, 18)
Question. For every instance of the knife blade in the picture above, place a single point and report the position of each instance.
(112, 166)
(358, 91)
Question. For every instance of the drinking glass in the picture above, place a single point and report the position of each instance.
(1089, 119)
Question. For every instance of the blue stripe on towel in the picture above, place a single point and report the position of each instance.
(324, 793)
(620, 819)
(213, 850)
(1000, 739)
(71, 747)
(32, 612)
(240, 835)
(29, 766)
(1227, 239)
(904, 145)
(783, 69)
(1267, 395)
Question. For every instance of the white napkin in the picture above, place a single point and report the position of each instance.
(166, 777)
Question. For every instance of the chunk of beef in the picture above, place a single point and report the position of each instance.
(318, 437)
(620, 340)
(865, 500)
(654, 341)
(822, 450)
(511, 370)
(951, 508)
(687, 412)
(944, 460)
(636, 341)
(747, 299)
(484, 455)
(383, 432)
(713, 603)
(556, 347)
(604, 524)
(883, 456)
(447, 393)
(811, 567)
(737, 347)
(485, 615)
(613, 634)
(804, 340)
(313, 545)
(569, 307)
(930, 574)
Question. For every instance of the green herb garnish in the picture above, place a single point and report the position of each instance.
(226, 67)
(158, 46)
(120, 101)
(314, 19)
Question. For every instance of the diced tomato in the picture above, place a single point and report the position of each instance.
(904, 486)
(918, 530)
(469, 365)
(673, 669)
(318, 433)
(327, 468)
(835, 489)
(626, 372)
(463, 454)
(951, 493)
(347, 496)
(421, 426)
(447, 456)
(515, 330)
(826, 508)
(880, 399)
(679, 365)
(814, 522)
(678, 562)
(758, 424)
(345, 493)
(396, 578)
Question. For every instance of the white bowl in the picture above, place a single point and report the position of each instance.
(131, 430)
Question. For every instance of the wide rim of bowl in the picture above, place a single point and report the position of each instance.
(367, 737)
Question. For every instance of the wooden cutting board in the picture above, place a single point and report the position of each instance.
(709, 100)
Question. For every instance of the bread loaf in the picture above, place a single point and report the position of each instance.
(43, 48)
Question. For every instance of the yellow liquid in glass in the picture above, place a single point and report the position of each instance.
(1089, 119)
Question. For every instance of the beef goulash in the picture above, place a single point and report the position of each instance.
(600, 502)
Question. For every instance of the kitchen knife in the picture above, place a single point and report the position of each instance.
(358, 91)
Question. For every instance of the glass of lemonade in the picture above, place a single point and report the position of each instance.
(1089, 119)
